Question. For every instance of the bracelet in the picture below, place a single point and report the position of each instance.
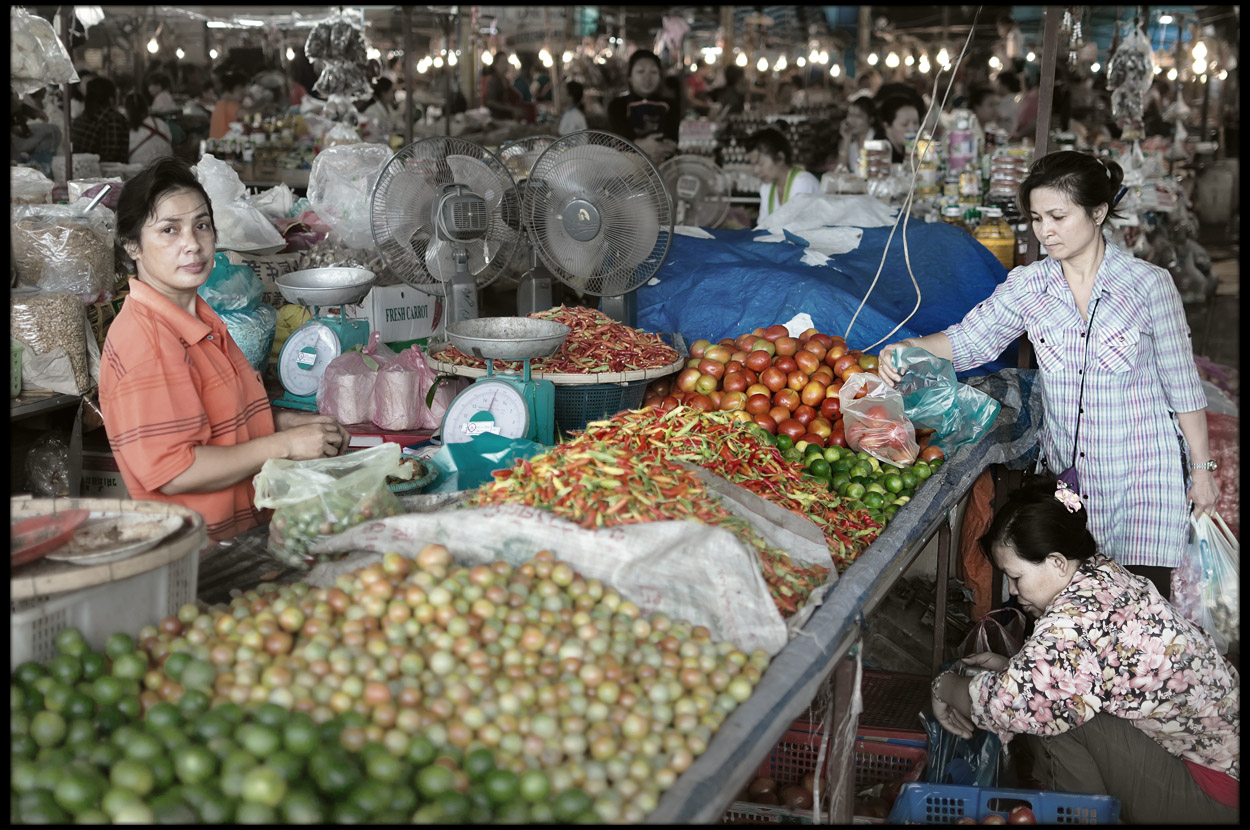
(933, 687)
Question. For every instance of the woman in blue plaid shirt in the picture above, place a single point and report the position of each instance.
(1115, 358)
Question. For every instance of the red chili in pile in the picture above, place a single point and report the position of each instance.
(596, 483)
(596, 343)
(735, 451)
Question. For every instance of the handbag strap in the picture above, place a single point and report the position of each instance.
(1080, 400)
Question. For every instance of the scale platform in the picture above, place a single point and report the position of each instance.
(311, 347)
(507, 404)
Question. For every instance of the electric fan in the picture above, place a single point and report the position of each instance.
(534, 287)
(699, 189)
(599, 218)
(437, 215)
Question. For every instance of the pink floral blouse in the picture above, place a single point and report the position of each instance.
(1110, 643)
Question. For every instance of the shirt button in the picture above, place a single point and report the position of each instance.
(1080, 371)
(210, 337)
(1082, 455)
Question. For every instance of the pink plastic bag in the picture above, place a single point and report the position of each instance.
(345, 391)
(433, 407)
(875, 423)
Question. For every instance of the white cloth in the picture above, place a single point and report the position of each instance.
(146, 146)
(573, 121)
(804, 182)
(163, 102)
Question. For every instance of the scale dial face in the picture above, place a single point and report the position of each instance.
(502, 400)
(305, 355)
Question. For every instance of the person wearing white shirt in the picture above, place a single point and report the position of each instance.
(574, 118)
(150, 137)
(772, 161)
(380, 113)
(159, 87)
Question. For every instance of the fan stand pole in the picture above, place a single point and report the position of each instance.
(622, 308)
(462, 293)
(533, 292)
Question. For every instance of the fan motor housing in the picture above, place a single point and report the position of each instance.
(581, 220)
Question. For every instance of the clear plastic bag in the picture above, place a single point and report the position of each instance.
(933, 399)
(969, 762)
(47, 467)
(220, 181)
(37, 58)
(1220, 555)
(339, 188)
(27, 186)
(1130, 74)
(44, 321)
(240, 225)
(231, 287)
(437, 391)
(61, 248)
(253, 332)
(319, 498)
(397, 391)
(345, 391)
(876, 423)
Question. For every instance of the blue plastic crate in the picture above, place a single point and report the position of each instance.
(947, 803)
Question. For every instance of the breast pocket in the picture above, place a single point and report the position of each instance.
(1049, 346)
(1117, 349)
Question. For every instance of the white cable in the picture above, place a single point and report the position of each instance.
(905, 208)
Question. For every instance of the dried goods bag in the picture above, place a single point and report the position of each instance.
(339, 188)
(321, 497)
(61, 248)
(933, 399)
(397, 390)
(252, 331)
(435, 391)
(231, 287)
(876, 423)
(37, 58)
(27, 186)
(45, 321)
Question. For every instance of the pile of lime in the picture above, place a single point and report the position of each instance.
(880, 489)
(82, 751)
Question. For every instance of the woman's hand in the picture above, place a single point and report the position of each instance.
(951, 719)
(290, 419)
(1204, 493)
(987, 660)
(657, 147)
(885, 364)
(316, 440)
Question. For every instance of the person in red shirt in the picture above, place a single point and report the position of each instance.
(187, 417)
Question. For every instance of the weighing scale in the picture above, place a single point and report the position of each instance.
(505, 403)
(312, 346)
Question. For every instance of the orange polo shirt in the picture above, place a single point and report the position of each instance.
(170, 382)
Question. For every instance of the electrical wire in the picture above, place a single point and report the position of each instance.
(904, 212)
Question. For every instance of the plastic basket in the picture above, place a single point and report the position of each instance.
(947, 803)
(893, 703)
(126, 605)
(794, 756)
(15, 368)
(577, 406)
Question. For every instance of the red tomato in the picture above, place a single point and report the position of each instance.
(930, 453)
(1021, 815)
(993, 818)
(795, 429)
(831, 407)
(877, 413)
(765, 421)
(838, 436)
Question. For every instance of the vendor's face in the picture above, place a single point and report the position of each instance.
(906, 120)
(644, 78)
(857, 121)
(1063, 227)
(768, 168)
(176, 245)
(1034, 584)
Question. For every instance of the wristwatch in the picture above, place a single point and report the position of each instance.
(1208, 465)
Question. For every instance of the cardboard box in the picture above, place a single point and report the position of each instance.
(403, 314)
(100, 476)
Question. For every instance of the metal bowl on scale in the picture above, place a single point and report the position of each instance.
(326, 286)
(507, 338)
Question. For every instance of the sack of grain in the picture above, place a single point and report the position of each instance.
(47, 320)
(60, 248)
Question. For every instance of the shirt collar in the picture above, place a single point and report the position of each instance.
(190, 329)
(1106, 281)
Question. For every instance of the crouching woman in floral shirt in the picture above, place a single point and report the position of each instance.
(1120, 694)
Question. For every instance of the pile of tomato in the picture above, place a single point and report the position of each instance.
(787, 385)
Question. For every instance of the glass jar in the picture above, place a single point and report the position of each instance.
(996, 235)
(952, 215)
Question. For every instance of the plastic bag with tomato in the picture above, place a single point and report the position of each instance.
(875, 423)
(934, 399)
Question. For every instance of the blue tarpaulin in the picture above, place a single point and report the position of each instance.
(722, 287)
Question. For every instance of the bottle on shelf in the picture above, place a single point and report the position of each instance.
(997, 236)
(952, 215)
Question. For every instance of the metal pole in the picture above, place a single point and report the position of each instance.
(1045, 98)
(727, 26)
(409, 75)
(1177, 93)
(864, 34)
(69, 150)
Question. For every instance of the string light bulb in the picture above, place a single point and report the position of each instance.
(1165, 19)
(741, 60)
(814, 57)
(451, 59)
(153, 46)
(438, 62)
(181, 54)
(487, 58)
(212, 54)
(891, 60)
(762, 64)
(1095, 67)
(872, 59)
(780, 64)
(1030, 57)
(995, 63)
(824, 56)
(1172, 74)
(943, 57)
(567, 57)
(1199, 51)
(909, 61)
(290, 53)
(1200, 67)
(836, 70)
(800, 62)
(1158, 69)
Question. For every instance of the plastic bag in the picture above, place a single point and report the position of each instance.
(969, 762)
(1000, 631)
(397, 403)
(252, 331)
(1220, 555)
(240, 225)
(875, 423)
(231, 287)
(933, 399)
(276, 201)
(339, 188)
(47, 467)
(1130, 74)
(468, 464)
(219, 179)
(45, 321)
(436, 391)
(345, 391)
(324, 496)
(37, 57)
(27, 186)
(61, 248)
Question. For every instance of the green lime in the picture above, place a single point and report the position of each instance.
(270, 714)
(812, 449)
(162, 771)
(936, 464)
(175, 663)
(910, 479)
(163, 713)
(832, 454)
(104, 755)
(144, 747)
(258, 739)
(819, 467)
(130, 706)
(873, 501)
(22, 745)
(132, 775)
(384, 767)
(194, 764)
(453, 806)
(131, 666)
(837, 480)
(854, 491)
(502, 786)
(118, 644)
(861, 470)
(336, 772)
(514, 812)
(922, 470)
(301, 736)
(57, 697)
(107, 690)
(40, 807)
(232, 712)
(570, 804)
(302, 806)
(80, 731)
(346, 812)
(421, 751)
(541, 812)
(784, 442)
(30, 671)
(371, 796)
(210, 725)
(79, 705)
(254, 812)
(434, 780)
(94, 664)
(92, 816)
(107, 719)
(403, 799)
(116, 798)
(478, 762)
(211, 807)
(264, 785)
(193, 703)
(23, 775)
(893, 482)
(70, 641)
(535, 786)
(170, 808)
(198, 674)
(234, 771)
(288, 765)
(48, 728)
(222, 746)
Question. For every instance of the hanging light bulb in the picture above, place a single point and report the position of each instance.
(544, 55)
(153, 46)
(836, 70)
(1158, 69)
(1172, 74)
(212, 54)
(451, 59)
(422, 68)
(1030, 57)
(567, 57)
(891, 60)
(1165, 19)
(762, 64)
(1095, 67)
(800, 61)
(741, 60)
(1200, 51)
(438, 62)
(290, 53)
(924, 64)
(943, 57)
(1200, 67)
(824, 56)
(872, 59)
(516, 62)
(1223, 74)
(709, 58)
(995, 63)
(487, 58)
(814, 57)
(181, 54)
(780, 64)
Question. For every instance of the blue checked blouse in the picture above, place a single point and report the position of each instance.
(1141, 373)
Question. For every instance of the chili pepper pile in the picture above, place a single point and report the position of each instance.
(596, 484)
(596, 343)
(735, 451)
